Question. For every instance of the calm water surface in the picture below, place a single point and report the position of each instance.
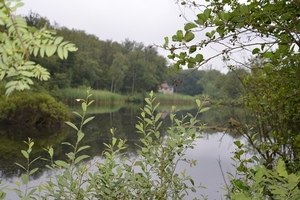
(212, 152)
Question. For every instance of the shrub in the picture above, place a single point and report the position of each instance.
(32, 109)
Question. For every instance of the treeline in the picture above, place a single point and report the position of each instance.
(127, 67)
(210, 82)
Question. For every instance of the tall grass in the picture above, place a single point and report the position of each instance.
(70, 95)
(96, 108)
(174, 99)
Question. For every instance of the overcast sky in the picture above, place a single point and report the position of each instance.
(147, 21)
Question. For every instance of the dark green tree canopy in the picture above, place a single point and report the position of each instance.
(97, 63)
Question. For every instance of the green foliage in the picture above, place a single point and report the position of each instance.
(258, 182)
(32, 109)
(68, 182)
(118, 68)
(210, 82)
(151, 175)
(270, 31)
(276, 106)
(101, 97)
(19, 41)
(25, 177)
(126, 67)
(233, 26)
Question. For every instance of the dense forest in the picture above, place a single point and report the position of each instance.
(104, 65)
(128, 67)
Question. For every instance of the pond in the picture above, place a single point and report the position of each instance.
(212, 152)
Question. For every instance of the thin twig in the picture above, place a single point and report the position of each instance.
(223, 176)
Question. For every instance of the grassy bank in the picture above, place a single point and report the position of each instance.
(101, 97)
(70, 95)
(174, 99)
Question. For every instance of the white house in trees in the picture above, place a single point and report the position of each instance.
(165, 88)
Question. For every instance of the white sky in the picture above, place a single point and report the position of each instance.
(147, 21)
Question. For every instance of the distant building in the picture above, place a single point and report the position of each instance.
(165, 88)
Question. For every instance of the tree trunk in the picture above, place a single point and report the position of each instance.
(112, 85)
(133, 83)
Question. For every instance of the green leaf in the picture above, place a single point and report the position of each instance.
(42, 51)
(114, 140)
(198, 102)
(204, 109)
(87, 120)
(199, 58)
(147, 110)
(192, 49)
(76, 113)
(207, 13)
(61, 163)
(35, 51)
(92, 101)
(2, 75)
(189, 26)
(65, 53)
(20, 166)
(192, 182)
(179, 35)
(189, 36)
(82, 148)
(255, 51)
(51, 152)
(72, 48)
(60, 52)
(53, 49)
(33, 171)
(68, 175)
(67, 143)
(280, 169)
(72, 125)
(80, 135)
(119, 170)
(58, 40)
(158, 116)
(25, 154)
(37, 158)
(83, 106)
(26, 73)
(201, 18)
(166, 42)
(191, 65)
(171, 142)
(24, 178)
(80, 158)
(268, 55)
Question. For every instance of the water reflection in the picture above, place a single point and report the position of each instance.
(213, 146)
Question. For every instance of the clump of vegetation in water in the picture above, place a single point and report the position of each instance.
(32, 109)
